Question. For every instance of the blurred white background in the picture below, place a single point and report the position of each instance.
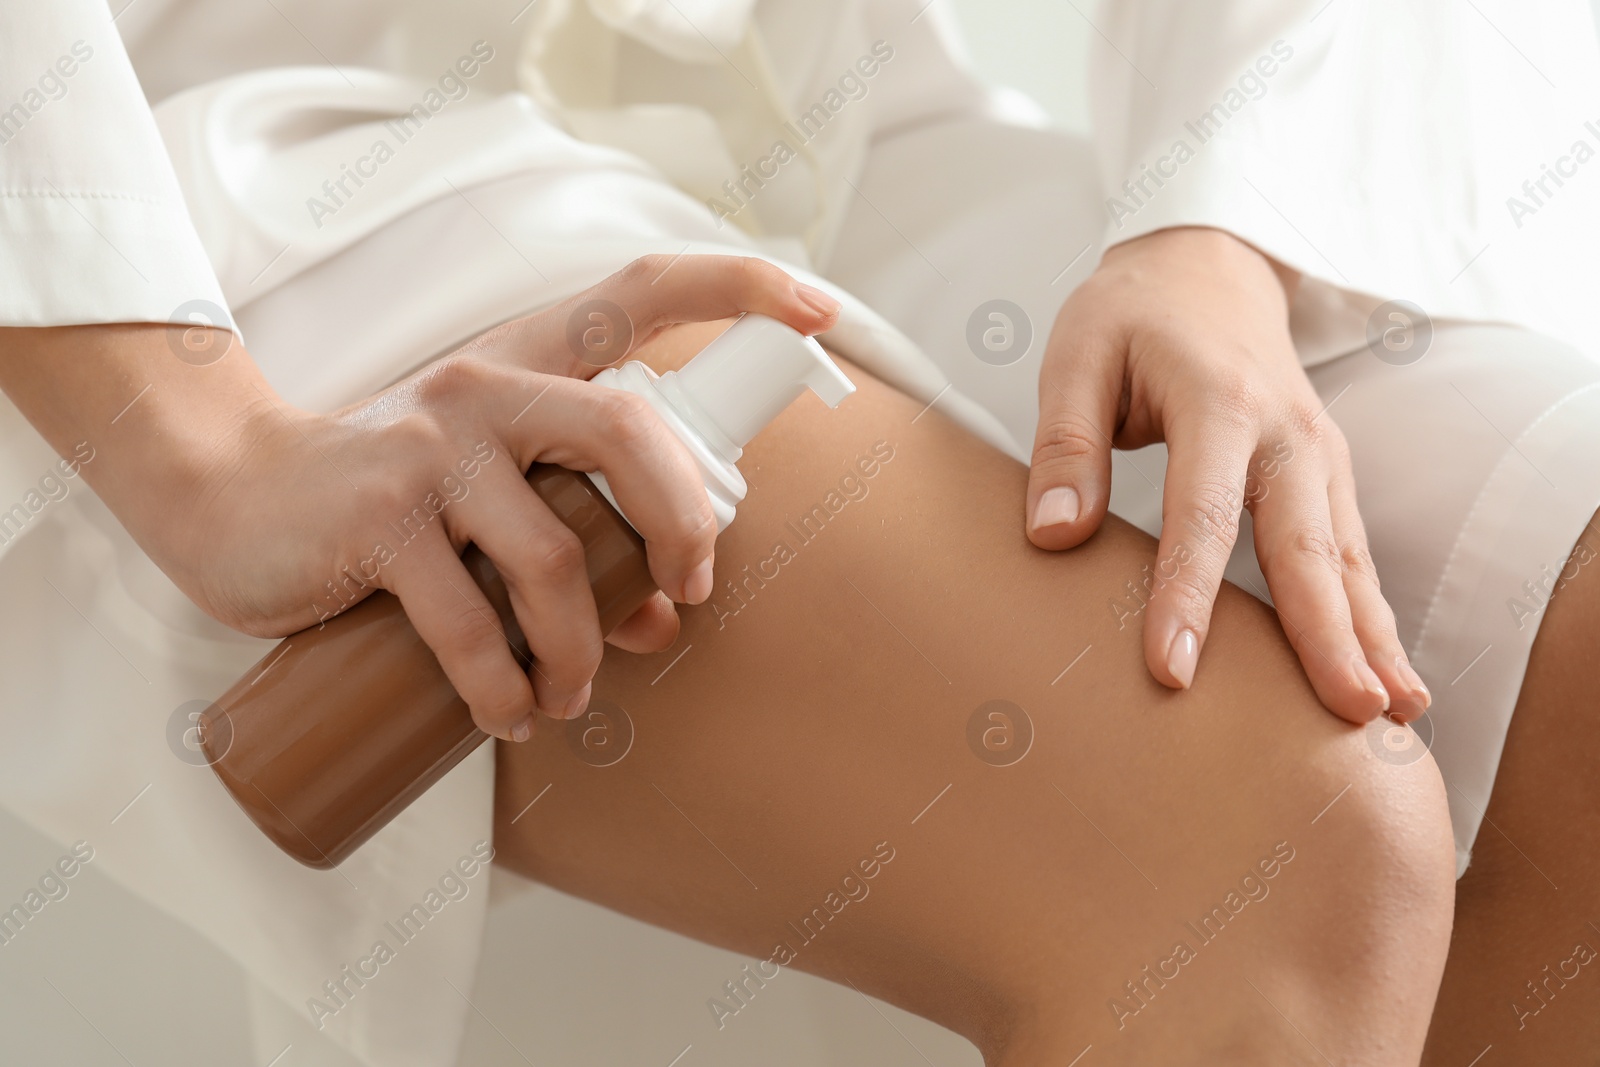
(1041, 47)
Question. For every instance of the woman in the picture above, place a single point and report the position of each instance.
(900, 256)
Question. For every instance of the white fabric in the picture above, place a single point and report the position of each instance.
(1379, 158)
(494, 209)
(95, 227)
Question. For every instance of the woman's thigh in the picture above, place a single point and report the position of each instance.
(901, 747)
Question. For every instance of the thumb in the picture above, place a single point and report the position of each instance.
(1069, 484)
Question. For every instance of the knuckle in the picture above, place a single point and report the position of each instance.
(1177, 577)
(471, 635)
(687, 532)
(451, 378)
(572, 670)
(1316, 545)
(1238, 397)
(625, 419)
(1065, 439)
(568, 649)
(642, 269)
(1356, 560)
(391, 501)
(1087, 298)
(699, 527)
(554, 552)
(1213, 511)
(754, 272)
(1309, 427)
(1190, 595)
(420, 433)
(507, 334)
(498, 691)
(1076, 313)
(505, 703)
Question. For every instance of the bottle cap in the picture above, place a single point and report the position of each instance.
(727, 394)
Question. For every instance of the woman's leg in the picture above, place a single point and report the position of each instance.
(1523, 982)
(1227, 874)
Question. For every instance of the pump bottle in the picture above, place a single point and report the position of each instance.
(340, 727)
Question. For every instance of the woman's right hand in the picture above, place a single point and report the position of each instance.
(260, 512)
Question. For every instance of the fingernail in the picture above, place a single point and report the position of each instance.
(1182, 657)
(1367, 680)
(1413, 681)
(1057, 506)
(520, 732)
(1416, 699)
(816, 299)
(698, 585)
(579, 701)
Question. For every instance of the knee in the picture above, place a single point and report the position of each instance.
(1358, 950)
(1387, 838)
(1382, 900)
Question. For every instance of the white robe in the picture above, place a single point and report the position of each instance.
(1379, 157)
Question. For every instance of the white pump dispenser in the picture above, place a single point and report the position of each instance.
(726, 395)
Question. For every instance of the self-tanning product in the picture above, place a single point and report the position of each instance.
(343, 725)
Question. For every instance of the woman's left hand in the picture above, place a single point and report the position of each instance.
(1182, 336)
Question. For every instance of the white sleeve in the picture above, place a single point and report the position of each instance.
(94, 223)
(1380, 149)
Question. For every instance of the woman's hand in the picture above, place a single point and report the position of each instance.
(1182, 336)
(273, 519)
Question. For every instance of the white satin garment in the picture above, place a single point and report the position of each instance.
(924, 194)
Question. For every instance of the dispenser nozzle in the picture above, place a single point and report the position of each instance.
(758, 367)
(725, 396)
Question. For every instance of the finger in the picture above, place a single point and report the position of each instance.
(546, 576)
(1069, 482)
(454, 619)
(1298, 549)
(653, 628)
(601, 325)
(1207, 460)
(585, 427)
(1370, 613)
(658, 291)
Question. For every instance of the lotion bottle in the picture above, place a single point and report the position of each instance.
(340, 727)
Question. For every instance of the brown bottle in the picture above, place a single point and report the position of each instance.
(319, 783)
(343, 725)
